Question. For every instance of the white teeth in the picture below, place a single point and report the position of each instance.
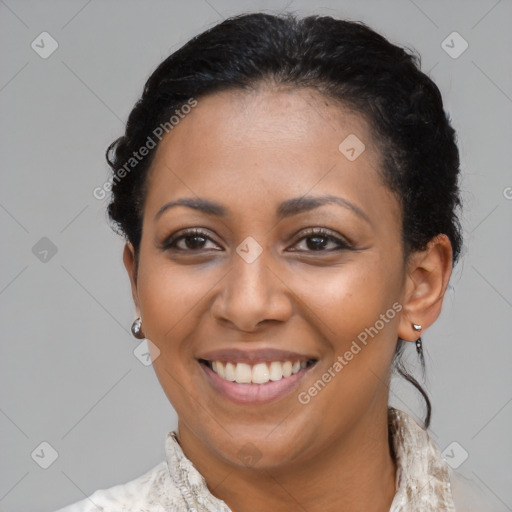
(259, 373)
(243, 373)
(220, 369)
(276, 370)
(229, 372)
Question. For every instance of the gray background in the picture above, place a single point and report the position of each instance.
(68, 372)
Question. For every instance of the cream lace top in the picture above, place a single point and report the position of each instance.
(424, 481)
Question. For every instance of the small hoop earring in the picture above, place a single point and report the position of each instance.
(137, 328)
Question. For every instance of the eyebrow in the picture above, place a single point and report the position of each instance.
(287, 208)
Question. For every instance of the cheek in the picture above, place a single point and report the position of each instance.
(348, 299)
(357, 311)
(170, 297)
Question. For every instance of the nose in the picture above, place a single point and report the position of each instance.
(253, 293)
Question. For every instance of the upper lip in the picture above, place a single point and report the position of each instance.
(262, 355)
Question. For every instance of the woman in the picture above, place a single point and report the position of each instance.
(288, 193)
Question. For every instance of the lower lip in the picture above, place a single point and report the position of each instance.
(255, 393)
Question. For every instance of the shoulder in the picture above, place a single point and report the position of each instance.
(144, 494)
(469, 495)
(421, 465)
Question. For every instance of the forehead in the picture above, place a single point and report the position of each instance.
(275, 116)
(254, 148)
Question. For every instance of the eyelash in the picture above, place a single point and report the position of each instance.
(170, 243)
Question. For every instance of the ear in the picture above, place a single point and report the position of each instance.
(130, 263)
(428, 274)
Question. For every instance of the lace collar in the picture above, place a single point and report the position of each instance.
(423, 477)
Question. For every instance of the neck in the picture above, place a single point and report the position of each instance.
(355, 472)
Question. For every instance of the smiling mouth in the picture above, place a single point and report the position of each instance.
(259, 373)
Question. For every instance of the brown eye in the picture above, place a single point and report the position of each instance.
(322, 240)
(191, 240)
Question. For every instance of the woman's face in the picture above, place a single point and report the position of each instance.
(255, 285)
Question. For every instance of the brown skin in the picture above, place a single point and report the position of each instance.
(250, 152)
